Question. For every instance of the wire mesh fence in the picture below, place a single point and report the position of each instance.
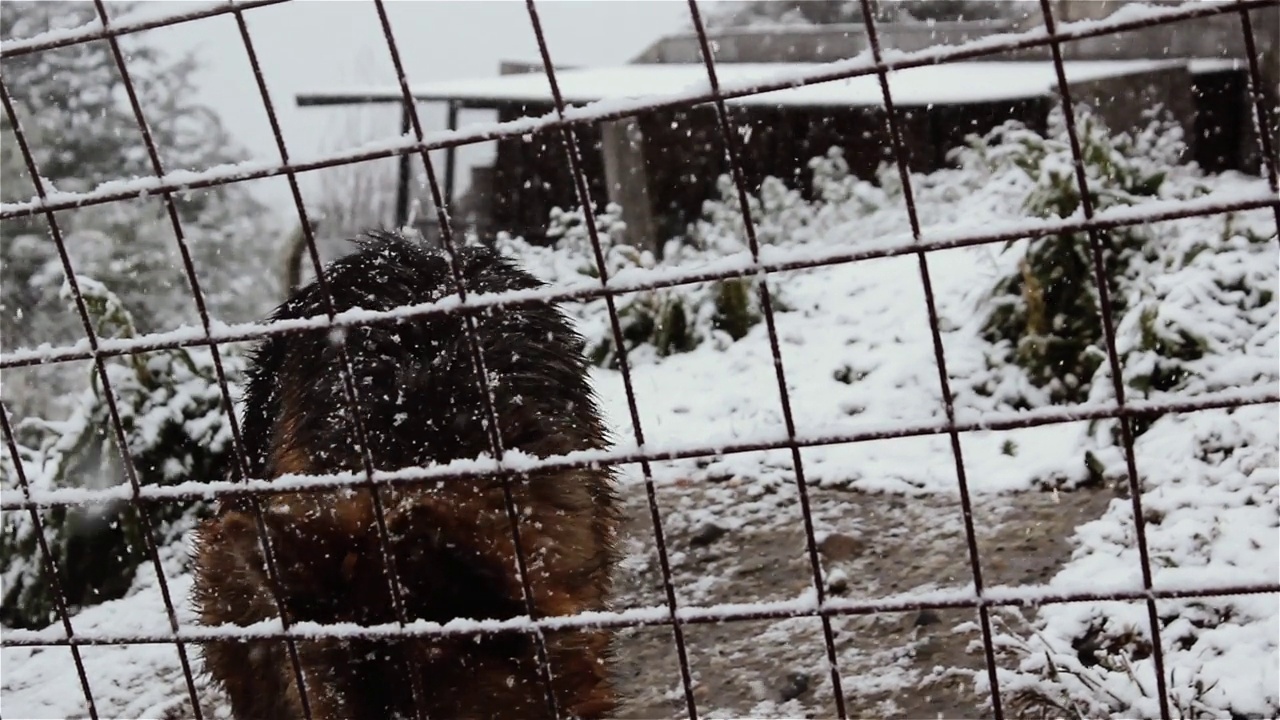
(566, 122)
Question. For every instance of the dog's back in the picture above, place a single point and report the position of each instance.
(420, 402)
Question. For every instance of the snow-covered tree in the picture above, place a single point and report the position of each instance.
(75, 113)
(72, 106)
(1044, 314)
(176, 428)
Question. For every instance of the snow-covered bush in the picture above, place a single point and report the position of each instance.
(654, 323)
(1211, 510)
(1201, 316)
(1044, 314)
(783, 217)
(660, 322)
(1195, 311)
(175, 422)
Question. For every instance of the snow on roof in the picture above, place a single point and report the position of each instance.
(949, 83)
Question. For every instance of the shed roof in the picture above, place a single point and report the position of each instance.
(944, 84)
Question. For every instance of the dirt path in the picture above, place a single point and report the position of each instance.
(734, 544)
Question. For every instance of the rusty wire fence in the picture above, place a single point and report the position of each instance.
(565, 122)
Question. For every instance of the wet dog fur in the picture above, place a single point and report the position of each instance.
(420, 402)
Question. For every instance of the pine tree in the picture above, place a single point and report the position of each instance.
(72, 107)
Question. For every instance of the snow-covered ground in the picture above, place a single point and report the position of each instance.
(858, 352)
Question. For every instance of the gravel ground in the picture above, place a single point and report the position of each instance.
(735, 541)
(731, 543)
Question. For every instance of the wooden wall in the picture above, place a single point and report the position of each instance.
(531, 174)
(1224, 136)
(685, 153)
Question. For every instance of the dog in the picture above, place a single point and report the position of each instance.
(420, 402)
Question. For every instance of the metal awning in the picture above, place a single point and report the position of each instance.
(944, 84)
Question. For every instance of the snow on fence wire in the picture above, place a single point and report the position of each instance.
(518, 463)
(757, 261)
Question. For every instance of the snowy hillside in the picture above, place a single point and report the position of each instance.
(1198, 320)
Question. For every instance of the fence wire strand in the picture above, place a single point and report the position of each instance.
(50, 562)
(298, 483)
(491, 424)
(733, 156)
(566, 120)
(944, 382)
(574, 154)
(1102, 287)
(1025, 596)
(350, 394)
(1142, 214)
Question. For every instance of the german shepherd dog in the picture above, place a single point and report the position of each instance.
(420, 402)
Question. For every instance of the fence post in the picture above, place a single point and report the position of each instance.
(627, 182)
(450, 158)
(402, 186)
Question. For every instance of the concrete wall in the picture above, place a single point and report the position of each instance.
(815, 44)
(627, 183)
(1216, 36)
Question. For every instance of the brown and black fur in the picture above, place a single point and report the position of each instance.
(421, 404)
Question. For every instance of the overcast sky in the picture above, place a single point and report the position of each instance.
(318, 44)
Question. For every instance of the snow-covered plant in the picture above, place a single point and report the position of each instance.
(176, 430)
(1200, 311)
(784, 216)
(654, 323)
(663, 321)
(1195, 311)
(1212, 519)
(1044, 314)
